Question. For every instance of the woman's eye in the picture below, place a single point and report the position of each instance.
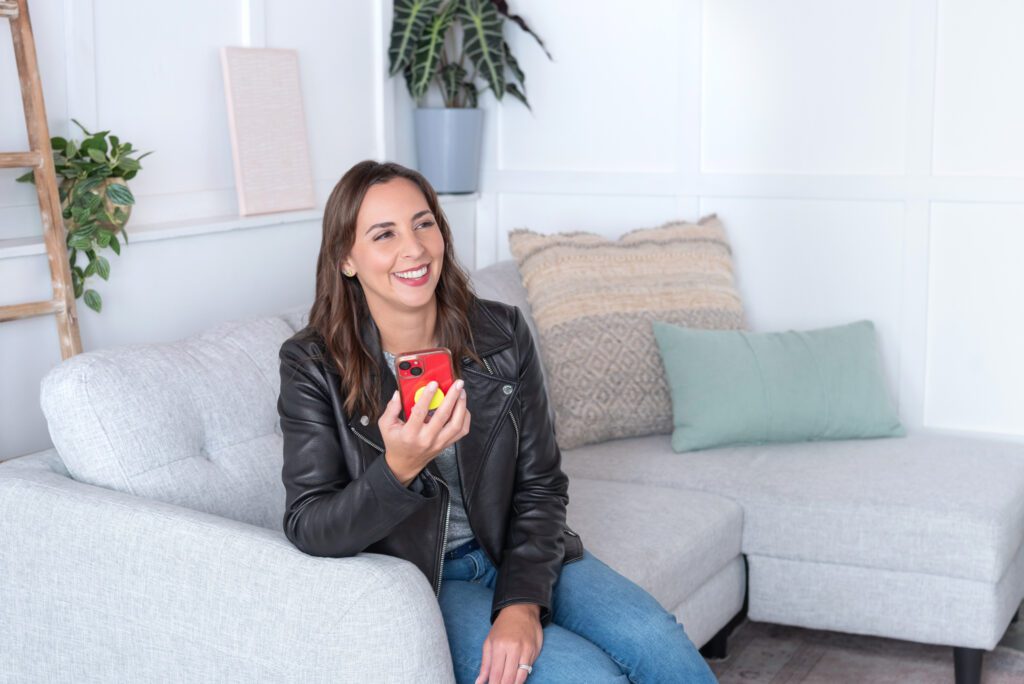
(382, 234)
(426, 224)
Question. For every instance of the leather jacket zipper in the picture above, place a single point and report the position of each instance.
(447, 513)
(367, 440)
(444, 534)
(515, 424)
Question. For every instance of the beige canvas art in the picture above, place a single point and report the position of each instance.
(268, 130)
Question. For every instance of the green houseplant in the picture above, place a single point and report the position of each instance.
(454, 45)
(94, 199)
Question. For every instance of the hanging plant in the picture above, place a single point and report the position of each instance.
(95, 201)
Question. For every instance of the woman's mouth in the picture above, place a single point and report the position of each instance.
(414, 277)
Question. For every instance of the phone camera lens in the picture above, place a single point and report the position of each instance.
(417, 371)
(404, 365)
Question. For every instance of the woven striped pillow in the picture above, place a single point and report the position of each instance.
(593, 301)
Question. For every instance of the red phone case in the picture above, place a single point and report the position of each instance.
(421, 367)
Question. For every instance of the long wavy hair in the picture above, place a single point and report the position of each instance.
(339, 307)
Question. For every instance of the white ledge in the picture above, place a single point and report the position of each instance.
(33, 246)
(21, 247)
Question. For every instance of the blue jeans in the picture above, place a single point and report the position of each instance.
(604, 628)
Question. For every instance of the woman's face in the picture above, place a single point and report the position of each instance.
(398, 251)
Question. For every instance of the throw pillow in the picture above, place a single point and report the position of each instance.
(594, 299)
(738, 387)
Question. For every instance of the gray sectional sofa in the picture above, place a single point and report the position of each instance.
(147, 544)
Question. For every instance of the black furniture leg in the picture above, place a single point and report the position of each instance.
(717, 648)
(967, 665)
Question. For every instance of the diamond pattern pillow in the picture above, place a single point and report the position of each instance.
(594, 300)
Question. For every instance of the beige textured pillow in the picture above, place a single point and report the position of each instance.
(594, 299)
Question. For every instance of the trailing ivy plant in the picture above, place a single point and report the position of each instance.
(423, 33)
(94, 200)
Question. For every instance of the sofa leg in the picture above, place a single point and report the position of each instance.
(718, 647)
(967, 665)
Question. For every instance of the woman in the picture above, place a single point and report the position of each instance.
(474, 495)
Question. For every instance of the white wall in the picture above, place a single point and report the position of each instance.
(150, 71)
(865, 156)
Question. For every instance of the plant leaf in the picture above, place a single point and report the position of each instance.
(97, 156)
(472, 95)
(29, 177)
(408, 20)
(428, 51)
(514, 65)
(513, 90)
(452, 76)
(102, 267)
(58, 143)
(93, 300)
(502, 7)
(483, 40)
(115, 245)
(82, 242)
(120, 194)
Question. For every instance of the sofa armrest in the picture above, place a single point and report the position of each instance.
(100, 585)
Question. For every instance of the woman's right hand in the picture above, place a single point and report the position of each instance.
(409, 446)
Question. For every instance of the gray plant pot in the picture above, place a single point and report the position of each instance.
(448, 147)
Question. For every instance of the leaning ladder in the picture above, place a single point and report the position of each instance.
(40, 159)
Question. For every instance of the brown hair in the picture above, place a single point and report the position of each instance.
(340, 304)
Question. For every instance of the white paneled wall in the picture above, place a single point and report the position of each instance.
(150, 72)
(866, 157)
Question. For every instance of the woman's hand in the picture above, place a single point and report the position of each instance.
(515, 637)
(410, 446)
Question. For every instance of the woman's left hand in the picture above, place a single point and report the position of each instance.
(515, 637)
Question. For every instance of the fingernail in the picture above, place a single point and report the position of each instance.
(459, 384)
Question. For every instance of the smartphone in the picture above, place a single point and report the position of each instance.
(416, 369)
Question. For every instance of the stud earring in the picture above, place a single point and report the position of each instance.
(348, 272)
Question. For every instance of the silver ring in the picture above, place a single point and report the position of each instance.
(528, 668)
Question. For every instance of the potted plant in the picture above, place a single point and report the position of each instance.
(95, 201)
(453, 44)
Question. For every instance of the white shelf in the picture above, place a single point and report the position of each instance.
(21, 247)
(33, 246)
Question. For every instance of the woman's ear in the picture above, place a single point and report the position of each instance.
(346, 268)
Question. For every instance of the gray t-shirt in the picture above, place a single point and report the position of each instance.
(459, 531)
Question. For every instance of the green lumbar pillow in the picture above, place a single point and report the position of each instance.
(739, 387)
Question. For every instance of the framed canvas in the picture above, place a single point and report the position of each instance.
(269, 142)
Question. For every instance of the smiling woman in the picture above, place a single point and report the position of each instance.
(475, 496)
(396, 257)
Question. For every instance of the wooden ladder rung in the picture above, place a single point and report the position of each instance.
(13, 312)
(16, 160)
(9, 9)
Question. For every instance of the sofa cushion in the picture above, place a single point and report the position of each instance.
(738, 387)
(190, 422)
(670, 542)
(593, 301)
(940, 504)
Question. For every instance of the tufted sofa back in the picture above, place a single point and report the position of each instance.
(192, 422)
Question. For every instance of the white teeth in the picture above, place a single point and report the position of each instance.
(412, 275)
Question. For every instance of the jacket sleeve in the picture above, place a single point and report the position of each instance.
(327, 512)
(534, 547)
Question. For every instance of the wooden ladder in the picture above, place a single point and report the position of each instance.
(40, 159)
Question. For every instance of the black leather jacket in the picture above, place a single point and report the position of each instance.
(343, 499)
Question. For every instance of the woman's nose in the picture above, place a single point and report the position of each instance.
(411, 245)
